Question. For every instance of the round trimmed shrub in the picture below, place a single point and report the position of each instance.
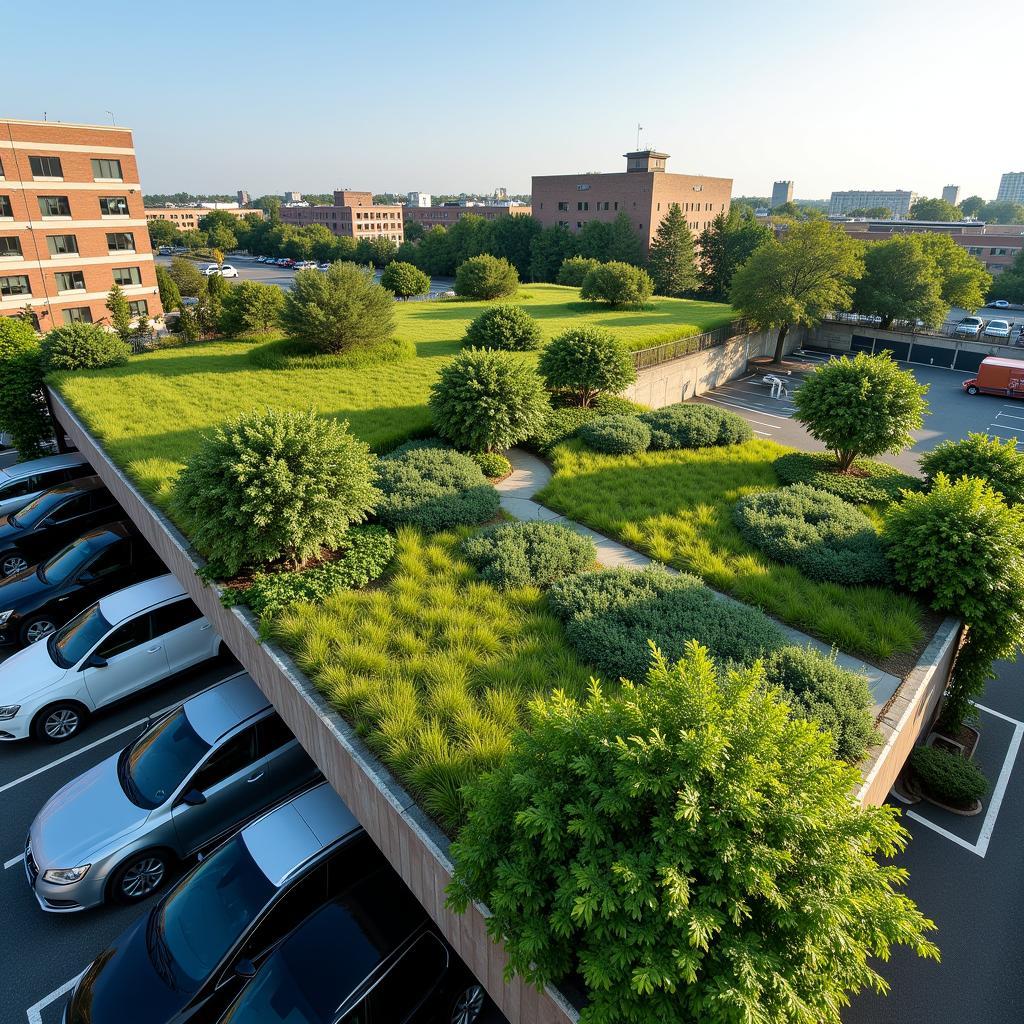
(81, 346)
(507, 327)
(695, 426)
(486, 277)
(520, 554)
(616, 405)
(616, 435)
(587, 362)
(618, 284)
(867, 482)
(574, 270)
(991, 459)
(826, 538)
(493, 465)
(434, 489)
(404, 279)
(948, 777)
(559, 425)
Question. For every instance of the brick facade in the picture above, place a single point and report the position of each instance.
(352, 215)
(187, 218)
(446, 216)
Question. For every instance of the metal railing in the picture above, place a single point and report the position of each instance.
(946, 330)
(647, 357)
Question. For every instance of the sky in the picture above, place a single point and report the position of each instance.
(466, 97)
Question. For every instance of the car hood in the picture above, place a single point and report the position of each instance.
(27, 672)
(24, 587)
(81, 820)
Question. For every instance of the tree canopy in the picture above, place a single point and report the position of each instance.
(726, 244)
(963, 280)
(900, 282)
(671, 261)
(935, 209)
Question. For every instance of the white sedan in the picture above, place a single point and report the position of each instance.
(998, 329)
(224, 270)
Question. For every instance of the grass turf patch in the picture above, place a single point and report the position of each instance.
(676, 507)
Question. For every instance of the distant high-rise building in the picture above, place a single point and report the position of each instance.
(293, 197)
(898, 202)
(782, 193)
(951, 193)
(1011, 187)
(417, 199)
(243, 197)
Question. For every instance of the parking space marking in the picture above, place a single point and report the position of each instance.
(745, 408)
(35, 1011)
(14, 860)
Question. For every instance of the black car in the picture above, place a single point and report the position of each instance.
(50, 521)
(39, 600)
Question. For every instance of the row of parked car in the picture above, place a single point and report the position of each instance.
(285, 261)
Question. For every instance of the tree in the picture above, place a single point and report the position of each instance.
(486, 277)
(872, 213)
(188, 324)
(935, 209)
(404, 279)
(120, 314)
(991, 459)
(413, 230)
(382, 251)
(1009, 284)
(864, 406)
(504, 326)
(624, 244)
(963, 280)
(434, 253)
(574, 270)
(618, 284)
(250, 307)
(900, 282)
(469, 236)
(188, 279)
(193, 240)
(23, 411)
(321, 240)
(511, 238)
(593, 240)
(270, 205)
(1002, 211)
(689, 849)
(162, 232)
(79, 346)
(274, 485)
(671, 260)
(587, 362)
(972, 206)
(548, 251)
(216, 288)
(486, 401)
(724, 246)
(340, 310)
(798, 279)
(170, 296)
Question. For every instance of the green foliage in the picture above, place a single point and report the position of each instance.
(120, 314)
(188, 325)
(963, 279)
(725, 246)
(299, 354)
(624, 242)
(504, 326)
(1001, 211)
(619, 284)
(80, 346)
(867, 482)
(587, 362)
(162, 232)
(671, 261)
(170, 297)
(825, 537)
(991, 459)
(900, 282)
(574, 270)
(690, 850)
(186, 276)
(404, 279)
(559, 425)
(434, 489)
(616, 405)
(23, 411)
(549, 250)
(340, 310)
(273, 485)
(492, 465)
(511, 238)
(861, 407)
(616, 435)
(512, 555)
(948, 777)
(694, 425)
(934, 209)
(250, 307)
(1009, 284)
(486, 277)
(487, 400)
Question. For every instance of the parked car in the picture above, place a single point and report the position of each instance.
(226, 270)
(210, 269)
(970, 326)
(323, 266)
(261, 259)
(306, 265)
(997, 329)
(124, 643)
(188, 957)
(165, 250)
(191, 779)
(39, 600)
(22, 482)
(997, 376)
(998, 304)
(51, 520)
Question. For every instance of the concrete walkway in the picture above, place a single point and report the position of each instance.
(530, 474)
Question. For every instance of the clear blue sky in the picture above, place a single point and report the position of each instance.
(460, 96)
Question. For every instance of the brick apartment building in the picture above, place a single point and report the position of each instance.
(645, 191)
(71, 223)
(187, 218)
(448, 214)
(353, 215)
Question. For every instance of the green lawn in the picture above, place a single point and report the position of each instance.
(150, 413)
(676, 507)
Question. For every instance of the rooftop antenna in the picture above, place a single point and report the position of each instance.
(639, 129)
(111, 113)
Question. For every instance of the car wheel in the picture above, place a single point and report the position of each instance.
(36, 627)
(468, 1005)
(12, 563)
(139, 876)
(972, 390)
(58, 722)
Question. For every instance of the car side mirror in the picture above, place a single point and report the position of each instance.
(244, 968)
(193, 797)
(87, 577)
(95, 661)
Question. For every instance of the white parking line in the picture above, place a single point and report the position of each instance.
(1007, 416)
(35, 1011)
(13, 861)
(746, 408)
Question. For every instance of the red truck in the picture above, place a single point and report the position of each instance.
(998, 376)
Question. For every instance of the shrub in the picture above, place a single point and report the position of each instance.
(695, 426)
(618, 284)
(120, 312)
(274, 485)
(486, 277)
(300, 354)
(687, 850)
(616, 405)
(83, 347)
(835, 698)
(23, 411)
(434, 488)
(866, 482)
(506, 327)
(559, 425)
(340, 310)
(170, 296)
(574, 269)
(616, 435)
(826, 538)
(948, 777)
(251, 308)
(404, 279)
(186, 276)
(512, 555)
(493, 465)
(991, 459)
(587, 362)
(485, 400)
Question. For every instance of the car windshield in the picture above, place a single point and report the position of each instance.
(63, 565)
(153, 767)
(38, 509)
(69, 645)
(200, 920)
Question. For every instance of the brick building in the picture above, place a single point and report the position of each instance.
(187, 218)
(352, 215)
(645, 191)
(71, 223)
(448, 214)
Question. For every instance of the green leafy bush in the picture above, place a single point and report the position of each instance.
(616, 405)
(23, 411)
(587, 362)
(694, 426)
(825, 537)
(616, 435)
(492, 464)
(618, 284)
(574, 270)
(867, 482)
(485, 400)
(81, 346)
(559, 425)
(512, 555)
(991, 459)
(689, 851)
(404, 279)
(250, 307)
(948, 777)
(505, 326)
(486, 277)
(300, 354)
(433, 488)
(274, 485)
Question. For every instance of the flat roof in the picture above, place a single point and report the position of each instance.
(68, 124)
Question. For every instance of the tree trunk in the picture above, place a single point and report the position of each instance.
(780, 342)
(844, 460)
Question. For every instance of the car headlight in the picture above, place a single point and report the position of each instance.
(65, 876)
(4, 616)
(9, 711)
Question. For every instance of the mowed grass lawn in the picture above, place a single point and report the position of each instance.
(151, 413)
(676, 507)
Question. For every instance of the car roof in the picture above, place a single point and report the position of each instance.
(1014, 364)
(287, 837)
(119, 529)
(23, 469)
(121, 604)
(82, 484)
(219, 709)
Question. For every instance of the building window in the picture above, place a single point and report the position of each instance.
(127, 275)
(17, 285)
(10, 247)
(70, 281)
(62, 245)
(77, 315)
(138, 307)
(54, 206)
(6, 210)
(114, 206)
(106, 169)
(582, 206)
(45, 167)
(120, 241)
